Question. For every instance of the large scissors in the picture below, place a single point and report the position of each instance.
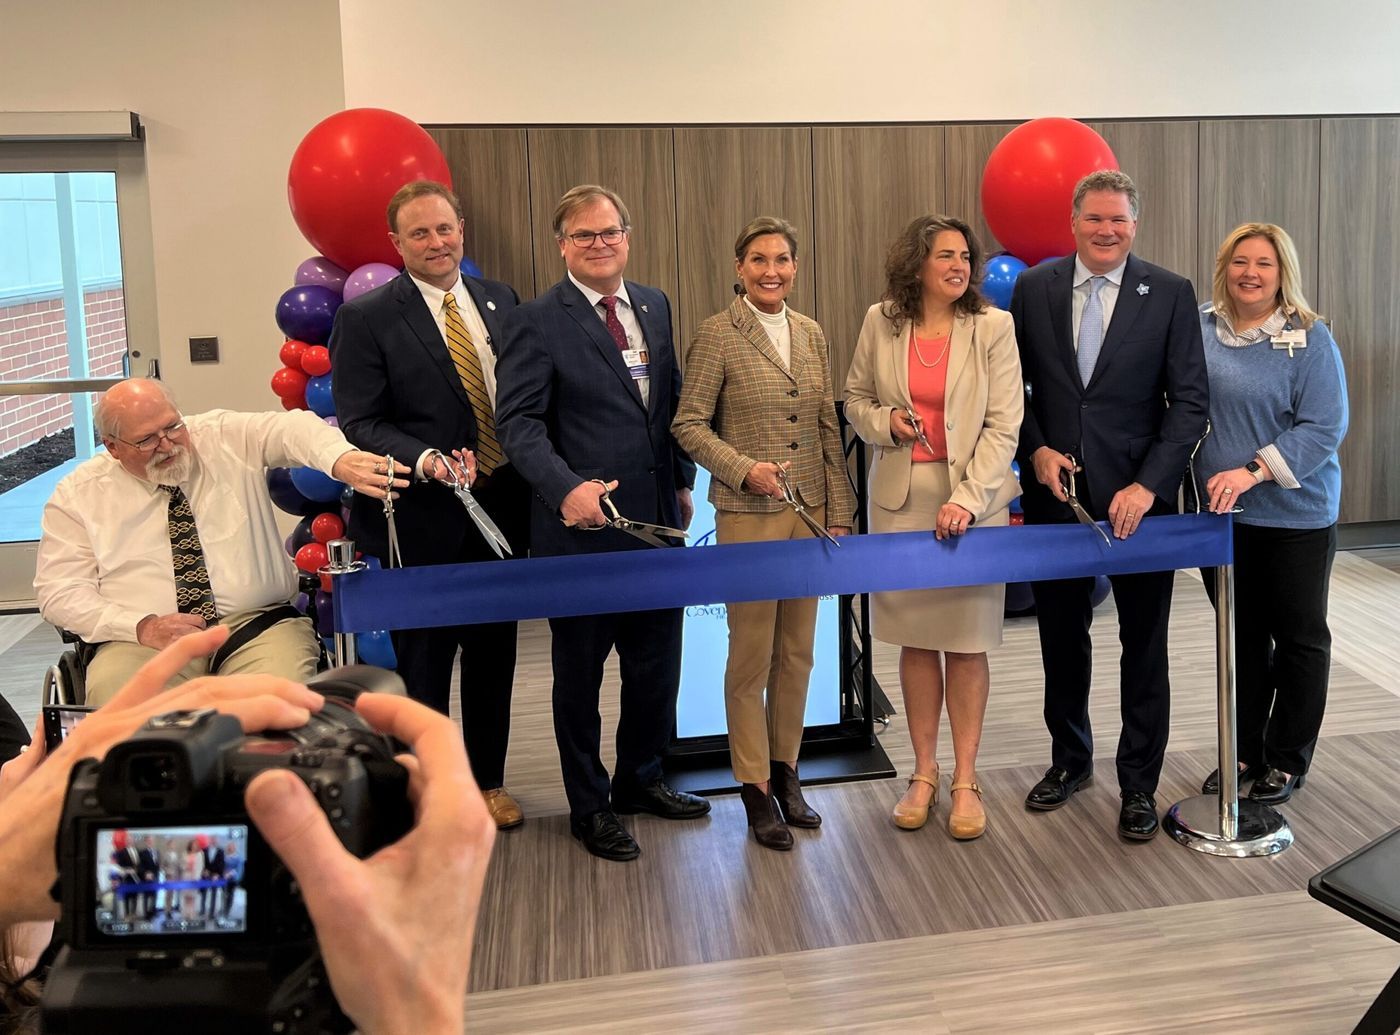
(395, 555)
(643, 530)
(1067, 483)
(918, 423)
(494, 537)
(790, 498)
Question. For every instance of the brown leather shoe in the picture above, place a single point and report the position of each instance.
(504, 809)
(787, 791)
(765, 820)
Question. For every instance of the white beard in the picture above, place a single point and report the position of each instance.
(176, 472)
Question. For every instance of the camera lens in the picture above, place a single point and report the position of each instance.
(155, 772)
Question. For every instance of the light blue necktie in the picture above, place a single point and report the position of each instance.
(1091, 331)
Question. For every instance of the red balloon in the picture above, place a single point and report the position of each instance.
(311, 557)
(325, 527)
(294, 404)
(345, 171)
(316, 360)
(119, 839)
(291, 353)
(1028, 185)
(202, 840)
(289, 383)
(327, 583)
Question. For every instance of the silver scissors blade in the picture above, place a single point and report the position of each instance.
(643, 530)
(391, 531)
(1067, 482)
(790, 498)
(918, 423)
(494, 537)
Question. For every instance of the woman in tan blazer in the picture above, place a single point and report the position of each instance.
(757, 400)
(935, 387)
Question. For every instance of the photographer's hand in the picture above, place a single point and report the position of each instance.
(395, 929)
(33, 794)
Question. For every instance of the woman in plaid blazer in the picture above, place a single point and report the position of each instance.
(757, 402)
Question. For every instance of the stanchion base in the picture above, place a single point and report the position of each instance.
(1195, 823)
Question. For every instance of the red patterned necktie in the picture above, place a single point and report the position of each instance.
(609, 302)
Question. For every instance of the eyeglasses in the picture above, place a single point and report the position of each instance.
(585, 238)
(152, 440)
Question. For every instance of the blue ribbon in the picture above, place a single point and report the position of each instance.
(642, 580)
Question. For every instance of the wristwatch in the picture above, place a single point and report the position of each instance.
(1255, 468)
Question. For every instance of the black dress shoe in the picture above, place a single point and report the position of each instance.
(1137, 819)
(659, 799)
(1056, 787)
(603, 835)
(788, 791)
(1275, 787)
(765, 820)
(1249, 772)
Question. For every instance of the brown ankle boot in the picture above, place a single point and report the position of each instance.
(764, 819)
(788, 791)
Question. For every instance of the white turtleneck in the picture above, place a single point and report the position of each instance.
(776, 324)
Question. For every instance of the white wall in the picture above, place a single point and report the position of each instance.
(226, 92)
(669, 61)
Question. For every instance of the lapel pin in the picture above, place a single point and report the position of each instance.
(645, 309)
(1142, 289)
(490, 305)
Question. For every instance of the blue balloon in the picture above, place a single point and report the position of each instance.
(1100, 592)
(285, 495)
(372, 563)
(307, 312)
(314, 485)
(325, 612)
(318, 396)
(1000, 278)
(469, 268)
(376, 648)
(1015, 505)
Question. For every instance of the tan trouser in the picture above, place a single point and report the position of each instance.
(288, 649)
(770, 645)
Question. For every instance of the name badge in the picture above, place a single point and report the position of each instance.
(1294, 338)
(638, 362)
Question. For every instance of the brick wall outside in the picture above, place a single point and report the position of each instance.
(34, 344)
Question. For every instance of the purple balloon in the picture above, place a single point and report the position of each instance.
(301, 535)
(325, 612)
(320, 270)
(333, 421)
(368, 277)
(286, 496)
(307, 313)
(301, 602)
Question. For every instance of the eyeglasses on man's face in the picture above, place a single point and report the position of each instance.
(585, 238)
(149, 442)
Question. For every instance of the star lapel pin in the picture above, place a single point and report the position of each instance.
(1142, 289)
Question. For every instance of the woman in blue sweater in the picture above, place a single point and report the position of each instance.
(1278, 413)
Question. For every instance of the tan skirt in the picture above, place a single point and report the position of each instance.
(964, 620)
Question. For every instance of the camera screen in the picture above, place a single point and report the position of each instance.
(59, 721)
(171, 880)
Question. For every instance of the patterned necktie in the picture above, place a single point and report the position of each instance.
(489, 455)
(609, 302)
(193, 593)
(1091, 331)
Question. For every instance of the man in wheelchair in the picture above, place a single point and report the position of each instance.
(172, 529)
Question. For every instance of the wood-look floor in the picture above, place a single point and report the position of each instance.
(1049, 923)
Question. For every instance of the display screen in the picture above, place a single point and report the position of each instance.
(60, 720)
(162, 880)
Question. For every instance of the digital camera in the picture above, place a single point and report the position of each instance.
(176, 914)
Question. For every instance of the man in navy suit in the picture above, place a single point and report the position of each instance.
(1115, 378)
(589, 384)
(414, 371)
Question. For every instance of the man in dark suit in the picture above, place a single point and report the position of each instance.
(1115, 378)
(589, 385)
(148, 872)
(213, 871)
(414, 371)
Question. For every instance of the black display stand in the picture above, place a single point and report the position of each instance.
(837, 752)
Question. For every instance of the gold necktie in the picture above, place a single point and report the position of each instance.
(468, 364)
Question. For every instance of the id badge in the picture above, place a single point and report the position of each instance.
(638, 362)
(1293, 338)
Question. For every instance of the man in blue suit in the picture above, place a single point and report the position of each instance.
(1115, 378)
(413, 369)
(589, 384)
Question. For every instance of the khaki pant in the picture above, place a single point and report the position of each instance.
(288, 649)
(770, 646)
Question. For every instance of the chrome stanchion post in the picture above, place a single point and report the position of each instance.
(1225, 825)
(342, 561)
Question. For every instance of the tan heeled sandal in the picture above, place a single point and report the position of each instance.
(966, 828)
(912, 817)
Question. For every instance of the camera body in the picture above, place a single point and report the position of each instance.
(173, 907)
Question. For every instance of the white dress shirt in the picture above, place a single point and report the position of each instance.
(1108, 294)
(104, 558)
(625, 316)
(779, 333)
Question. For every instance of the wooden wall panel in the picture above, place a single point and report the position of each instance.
(725, 176)
(638, 164)
(491, 174)
(869, 182)
(1259, 170)
(1359, 254)
(968, 149)
(1161, 157)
